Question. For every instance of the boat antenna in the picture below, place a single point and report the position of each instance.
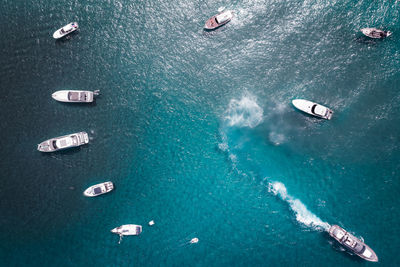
(120, 238)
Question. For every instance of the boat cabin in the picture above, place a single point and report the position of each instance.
(319, 110)
(223, 17)
(77, 96)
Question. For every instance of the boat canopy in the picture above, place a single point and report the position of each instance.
(77, 96)
(319, 110)
(339, 234)
(97, 190)
(68, 28)
(64, 142)
(221, 18)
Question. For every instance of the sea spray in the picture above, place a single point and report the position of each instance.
(244, 113)
(303, 215)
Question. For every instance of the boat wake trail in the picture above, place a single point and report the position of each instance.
(246, 113)
(303, 215)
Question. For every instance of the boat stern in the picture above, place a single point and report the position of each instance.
(85, 137)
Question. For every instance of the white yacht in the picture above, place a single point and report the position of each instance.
(63, 142)
(75, 96)
(352, 243)
(67, 29)
(99, 189)
(313, 108)
(218, 20)
(127, 229)
(375, 33)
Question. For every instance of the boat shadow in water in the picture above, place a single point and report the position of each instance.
(212, 32)
(78, 105)
(67, 37)
(367, 40)
(68, 151)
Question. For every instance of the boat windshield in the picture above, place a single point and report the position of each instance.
(54, 143)
(313, 108)
(97, 190)
(359, 248)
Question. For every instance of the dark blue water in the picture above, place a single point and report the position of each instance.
(197, 132)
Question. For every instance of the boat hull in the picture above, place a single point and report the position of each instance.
(59, 34)
(308, 107)
(127, 229)
(375, 33)
(64, 96)
(342, 236)
(212, 23)
(69, 141)
(99, 189)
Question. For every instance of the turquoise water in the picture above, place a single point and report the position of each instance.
(197, 132)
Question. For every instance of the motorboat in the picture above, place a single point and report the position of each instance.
(99, 189)
(313, 108)
(127, 229)
(352, 243)
(218, 20)
(67, 29)
(64, 142)
(75, 96)
(375, 33)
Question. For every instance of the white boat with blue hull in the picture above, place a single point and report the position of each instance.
(99, 189)
(75, 96)
(64, 142)
(312, 108)
(67, 29)
(352, 243)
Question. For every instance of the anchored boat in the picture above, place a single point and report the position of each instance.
(67, 29)
(352, 243)
(375, 33)
(75, 96)
(127, 229)
(218, 20)
(313, 108)
(99, 189)
(64, 142)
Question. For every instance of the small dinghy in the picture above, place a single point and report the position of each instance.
(218, 20)
(64, 142)
(67, 29)
(375, 33)
(352, 243)
(75, 96)
(313, 108)
(99, 189)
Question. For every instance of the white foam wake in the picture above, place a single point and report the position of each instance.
(303, 215)
(244, 113)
